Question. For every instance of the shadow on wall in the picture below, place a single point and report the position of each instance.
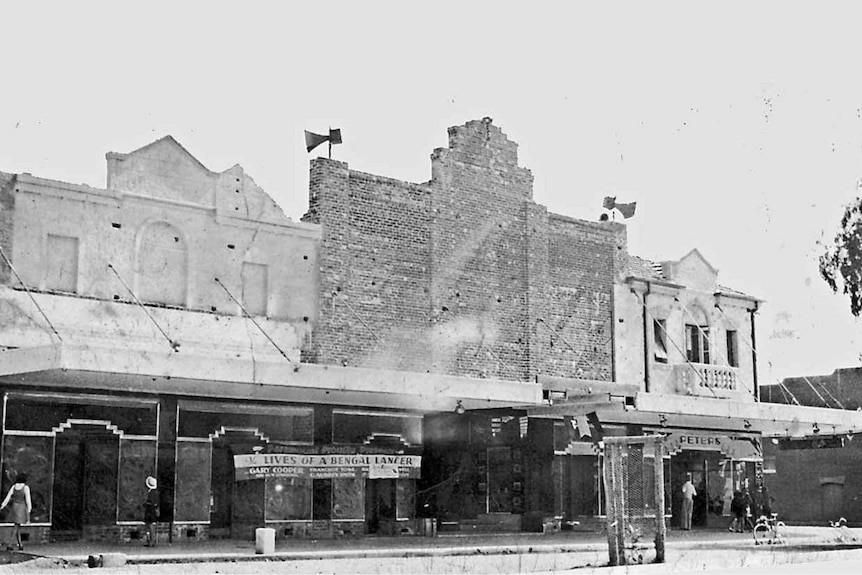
(467, 249)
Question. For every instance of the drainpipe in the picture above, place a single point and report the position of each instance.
(754, 352)
(646, 340)
(613, 335)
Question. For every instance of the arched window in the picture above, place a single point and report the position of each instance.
(697, 337)
(162, 265)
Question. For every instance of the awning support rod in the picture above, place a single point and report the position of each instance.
(175, 345)
(715, 349)
(687, 362)
(44, 315)
(835, 399)
(581, 354)
(257, 325)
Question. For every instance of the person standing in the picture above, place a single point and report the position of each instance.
(737, 508)
(151, 511)
(688, 493)
(19, 496)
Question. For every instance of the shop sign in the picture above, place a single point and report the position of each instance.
(700, 442)
(742, 447)
(341, 466)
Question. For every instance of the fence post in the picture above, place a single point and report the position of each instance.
(658, 471)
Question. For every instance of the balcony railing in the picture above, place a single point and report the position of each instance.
(706, 379)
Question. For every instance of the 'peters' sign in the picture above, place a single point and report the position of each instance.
(743, 447)
(340, 466)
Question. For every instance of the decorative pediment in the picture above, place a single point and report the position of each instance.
(692, 271)
(164, 170)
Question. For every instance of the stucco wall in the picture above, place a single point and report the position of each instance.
(693, 301)
(218, 235)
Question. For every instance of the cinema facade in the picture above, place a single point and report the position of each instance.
(446, 350)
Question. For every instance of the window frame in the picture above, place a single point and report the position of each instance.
(50, 281)
(659, 327)
(732, 342)
(697, 344)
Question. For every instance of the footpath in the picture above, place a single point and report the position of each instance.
(686, 551)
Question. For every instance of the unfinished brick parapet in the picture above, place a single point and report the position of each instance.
(455, 275)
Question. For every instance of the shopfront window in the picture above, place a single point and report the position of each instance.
(288, 499)
(348, 499)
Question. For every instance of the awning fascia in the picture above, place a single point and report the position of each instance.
(166, 372)
(769, 419)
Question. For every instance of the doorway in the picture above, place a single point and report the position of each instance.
(832, 498)
(84, 488)
(236, 507)
(380, 506)
(698, 464)
(500, 480)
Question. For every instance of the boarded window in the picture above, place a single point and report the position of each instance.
(255, 289)
(61, 271)
(162, 266)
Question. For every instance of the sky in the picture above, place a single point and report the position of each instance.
(736, 126)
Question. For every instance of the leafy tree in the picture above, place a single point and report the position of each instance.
(841, 262)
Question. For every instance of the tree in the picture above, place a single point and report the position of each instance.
(841, 262)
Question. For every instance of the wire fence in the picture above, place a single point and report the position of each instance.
(634, 497)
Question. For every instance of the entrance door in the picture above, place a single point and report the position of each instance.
(682, 464)
(380, 506)
(832, 500)
(84, 490)
(237, 507)
(221, 506)
(68, 489)
(499, 480)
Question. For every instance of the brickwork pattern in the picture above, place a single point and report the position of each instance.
(581, 288)
(30, 535)
(798, 484)
(456, 275)
(191, 532)
(478, 264)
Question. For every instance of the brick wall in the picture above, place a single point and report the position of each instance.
(457, 275)
(7, 212)
(800, 486)
(581, 256)
(478, 278)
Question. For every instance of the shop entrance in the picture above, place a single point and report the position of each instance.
(84, 489)
(698, 464)
(236, 507)
(380, 506)
(715, 478)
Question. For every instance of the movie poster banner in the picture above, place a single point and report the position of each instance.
(336, 466)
